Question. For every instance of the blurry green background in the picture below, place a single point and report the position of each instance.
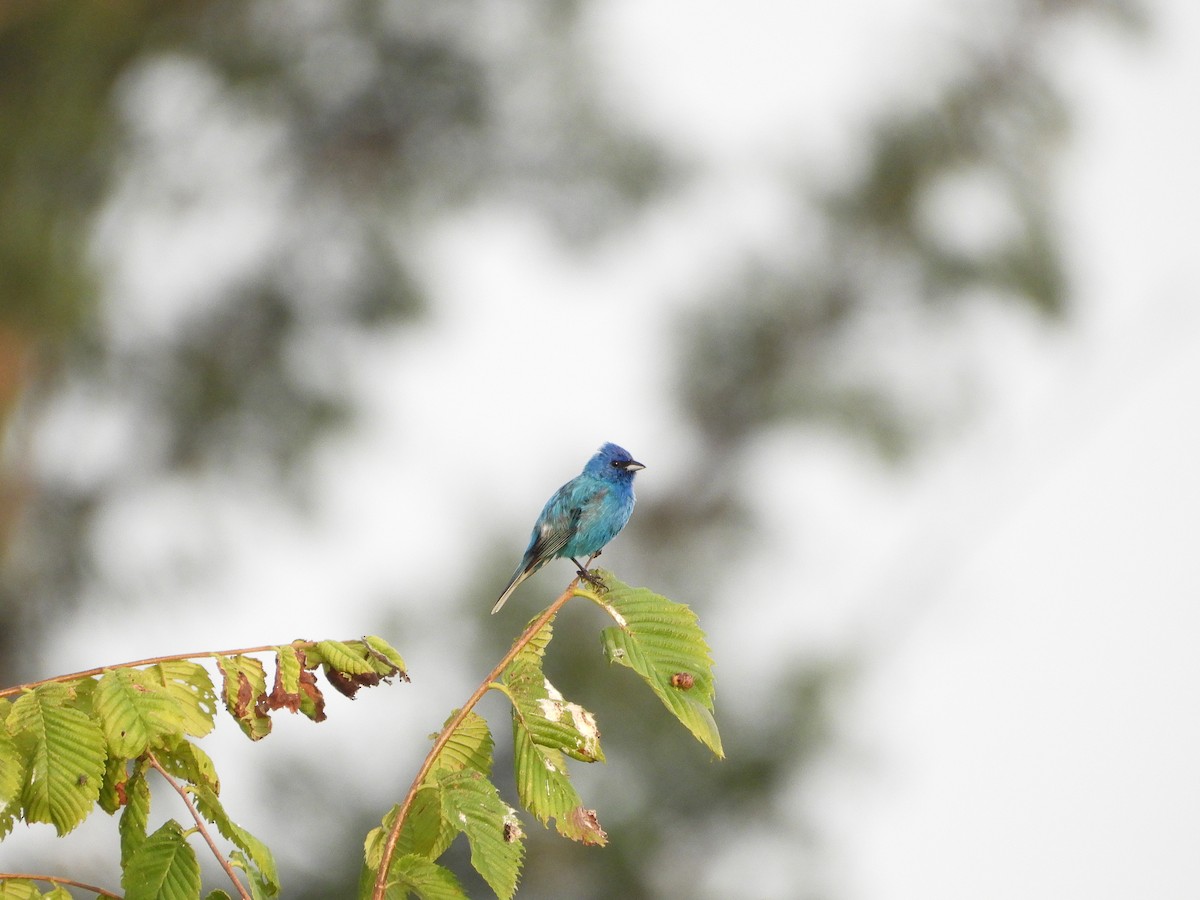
(305, 307)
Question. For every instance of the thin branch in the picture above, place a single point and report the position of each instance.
(54, 879)
(484, 686)
(153, 660)
(187, 801)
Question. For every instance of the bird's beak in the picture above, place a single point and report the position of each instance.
(632, 466)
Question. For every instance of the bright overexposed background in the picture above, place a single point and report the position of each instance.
(1022, 594)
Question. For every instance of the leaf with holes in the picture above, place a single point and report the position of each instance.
(471, 803)
(545, 727)
(245, 690)
(133, 713)
(661, 640)
(190, 686)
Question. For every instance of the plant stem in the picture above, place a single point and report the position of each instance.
(187, 801)
(154, 660)
(484, 686)
(54, 879)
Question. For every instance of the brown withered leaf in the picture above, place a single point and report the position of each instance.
(590, 831)
(245, 696)
(313, 702)
(280, 698)
(348, 684)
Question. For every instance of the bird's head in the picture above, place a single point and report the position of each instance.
(613, 463)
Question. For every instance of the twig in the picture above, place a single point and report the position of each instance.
(153, 660)
(187, 801)
(55, 879)
(451, 726)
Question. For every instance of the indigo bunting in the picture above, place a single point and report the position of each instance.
(582, 516)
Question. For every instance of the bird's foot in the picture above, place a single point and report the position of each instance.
(594, 580)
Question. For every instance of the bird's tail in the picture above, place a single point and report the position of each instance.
(517, 578)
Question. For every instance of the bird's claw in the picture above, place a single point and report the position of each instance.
(593, 580)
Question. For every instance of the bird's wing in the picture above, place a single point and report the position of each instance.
(553, 535)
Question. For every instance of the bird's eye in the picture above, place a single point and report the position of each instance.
(616, 464)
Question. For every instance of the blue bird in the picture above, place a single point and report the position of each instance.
(582, 516)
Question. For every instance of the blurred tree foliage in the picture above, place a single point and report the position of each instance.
(362, 121)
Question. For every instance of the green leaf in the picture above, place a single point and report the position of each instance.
(470, 747)
(545, 789)
(295, 687)
(12, 768)
(425, 831)
(260, 887)
(472, 804)
(661, 640)
(217, 895)
(132, 824)
(287, 669)
(164, 867)
(8, 814)
(418, 875)
(545, 726)
(18, 889)
(58, 892)
(388, 659)
(261, 863)
(189, 762)
(112, 788)
(65, 755)
(245, 692)
(551, 719)
(190, 686)
(343, 657)
(133, 713)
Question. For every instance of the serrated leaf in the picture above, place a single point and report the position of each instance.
(425, 831)
(387, 658)
(418, 875)
(287, 670)
(245, 691)
(217, 895)
(58, 892)
(12, 768)
(164, 867)
(545, 789)
(343, 657)
(132, 824)
(190, 763)
(260, 888)
(551, 719)
(190, 686)
(661, 640)
(470, 747)
(112, 787)
(471, 803)
(65, 755)
(18, 889)
(545, 726)
(295, 687)
(8, 814)
(261, 863)
(134, 712)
